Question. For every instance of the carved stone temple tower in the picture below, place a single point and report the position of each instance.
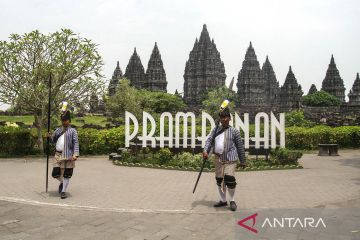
(115, 79)
(354, 95)
(333, 83)
(135, 71)
(272, 89)
(290, 93)
(204, 70)
(312, 89)
(155, 77)
(251, 83)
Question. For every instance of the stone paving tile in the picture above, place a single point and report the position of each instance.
(324, 180)
(328, 186)
(174, 226)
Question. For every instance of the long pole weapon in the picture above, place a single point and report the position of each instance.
(48, 137)
(207, 150)
(223, 106)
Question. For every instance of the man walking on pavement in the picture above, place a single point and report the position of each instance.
(228, 148)
(67, 151)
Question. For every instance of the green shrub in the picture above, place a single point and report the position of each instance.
(93, 141)
(253, 163)
(297, 118)
(283, 156)
(309, 138)
(19, 141)
(16, 141)
(321, 98)
(164, 155)
(188, 160)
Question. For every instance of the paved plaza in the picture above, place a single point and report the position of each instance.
(117, 202)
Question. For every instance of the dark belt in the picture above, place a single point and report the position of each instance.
(58, 151)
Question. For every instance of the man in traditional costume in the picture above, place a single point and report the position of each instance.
(228, 148)
(66, 141)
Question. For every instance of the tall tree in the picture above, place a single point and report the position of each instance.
(126, 98)
(26, 62)
(212, 101)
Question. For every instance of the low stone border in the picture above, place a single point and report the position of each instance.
(247, 169)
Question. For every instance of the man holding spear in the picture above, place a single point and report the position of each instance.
(67, 151)
(228, 148)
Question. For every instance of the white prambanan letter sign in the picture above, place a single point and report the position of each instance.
(270, 126)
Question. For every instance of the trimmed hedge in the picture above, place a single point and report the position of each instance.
(164, 158)
(16, 141)
(19, 141)
(309, 138)
(283, 156)
(93, 141)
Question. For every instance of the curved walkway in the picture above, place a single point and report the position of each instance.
(114, 202)
(98, 184)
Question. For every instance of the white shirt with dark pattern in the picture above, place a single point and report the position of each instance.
(233, 145)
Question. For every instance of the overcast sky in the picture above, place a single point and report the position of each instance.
(301, 33)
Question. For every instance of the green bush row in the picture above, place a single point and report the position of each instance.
(309, 138)
(18, 141)
(164, 157)
(106, 141)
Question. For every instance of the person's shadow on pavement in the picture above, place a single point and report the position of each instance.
(53, 194)
(209, 204)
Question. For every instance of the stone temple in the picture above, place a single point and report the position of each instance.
(115, 79)
(259, 90)
(251, 83)
(155, 77)
(257, 87)
(312, 89)
(135, 71)
(204, 69)
(354, 95)
(290, 93)
(333, 83)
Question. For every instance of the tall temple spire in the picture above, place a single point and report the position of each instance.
(135, 71)
(332, 82)
(272, 89)
(114, 81)
(250, 54)
(290, 93)
(332, 61)
(155, 78)
(312, 89)
(204, 70)
(354, 95)
(204, 36)
(117, 72)
(251, 84)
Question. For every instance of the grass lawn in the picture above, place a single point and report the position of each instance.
(27, 119)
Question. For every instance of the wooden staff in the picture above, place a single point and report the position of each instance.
(48, 137)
